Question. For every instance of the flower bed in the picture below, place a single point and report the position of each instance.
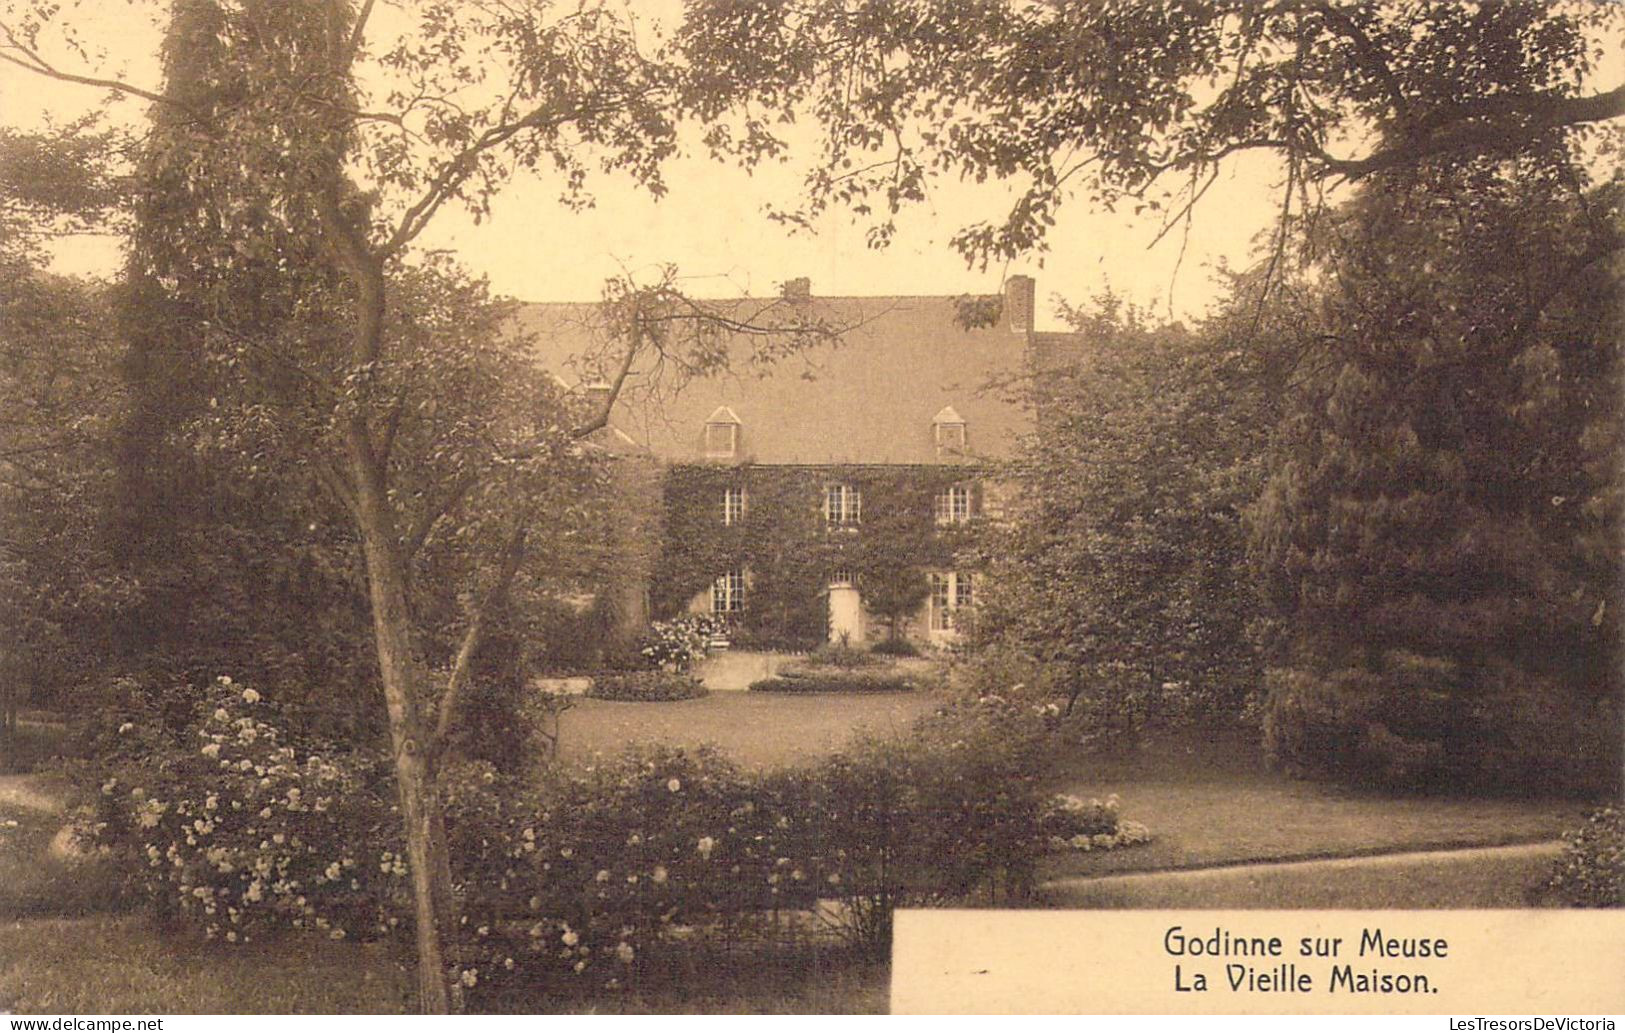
(583, 875)
(848, 681)
(1591, 872)
(1073, 823)
(646, 687)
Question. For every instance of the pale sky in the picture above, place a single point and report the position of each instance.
(711, 223)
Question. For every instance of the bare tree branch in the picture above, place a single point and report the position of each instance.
(33, 62)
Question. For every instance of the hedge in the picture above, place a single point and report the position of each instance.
(646, 687)
(834, 681)
(578, 877)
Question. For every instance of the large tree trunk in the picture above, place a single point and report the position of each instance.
(411, 734)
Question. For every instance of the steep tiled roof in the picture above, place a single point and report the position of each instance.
(869, 399)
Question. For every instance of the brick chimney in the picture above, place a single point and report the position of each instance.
(798, 289)
(1018, 303)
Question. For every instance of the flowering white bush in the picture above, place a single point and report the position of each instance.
(587, 875)
(236, 831)
(677, 644)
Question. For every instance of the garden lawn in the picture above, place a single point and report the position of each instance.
(1213, 801)
(755, 730)
(34, 879)
(123, 965)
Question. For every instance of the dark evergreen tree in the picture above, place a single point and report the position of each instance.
(1438, 538)
(233, 550)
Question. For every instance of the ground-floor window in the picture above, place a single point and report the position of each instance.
(949, 592)
(728, 592)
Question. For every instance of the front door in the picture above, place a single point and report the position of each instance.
(845, 614)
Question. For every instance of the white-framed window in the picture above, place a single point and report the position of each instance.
(843, 505)
(722, 439)
(950, 592)
(728, 592)
(733, 506)
(948, 431)
(953, 504)
(722, 434)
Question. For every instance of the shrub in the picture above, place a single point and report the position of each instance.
(1591, 872)
(677, 644)
(769, 641)
(841, 656)
(233, 831)
(1072, 823)
(949, 813)
(1407, 722)
(838, 681)
(582, 875)
(635, 858)
(646, 687)
(895, 647)
(567, 639)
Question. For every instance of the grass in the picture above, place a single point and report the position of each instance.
(33, 881)
(1472, 879)
(1212, 801)
(123, 965)
(765, 982)
(755, 730)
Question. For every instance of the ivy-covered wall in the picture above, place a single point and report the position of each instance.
(791, 552)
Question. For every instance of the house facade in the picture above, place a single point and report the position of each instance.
(832, 494)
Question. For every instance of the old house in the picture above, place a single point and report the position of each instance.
(830, 493)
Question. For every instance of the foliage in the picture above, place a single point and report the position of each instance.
(1118, 101)
(232, 831)
(505, 720)
(58, 388)
(899, 647)
(817, 681)
(1120, 585)
(562, 638)
(838, 655)
(1591, 872)
(642, 856)
(790, 554)
(1072, 822)
(646, 687)
(589, 872)
(677, 644)
(59, 392)
(1437, 538)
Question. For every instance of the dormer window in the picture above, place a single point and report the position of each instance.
(948, 428)
(722, 434)
(954, 504)
(733, 506)
(843, 505)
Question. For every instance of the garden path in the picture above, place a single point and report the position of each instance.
(24, 791)
(1494, 876)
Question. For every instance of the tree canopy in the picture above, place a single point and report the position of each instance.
(1130, 101)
